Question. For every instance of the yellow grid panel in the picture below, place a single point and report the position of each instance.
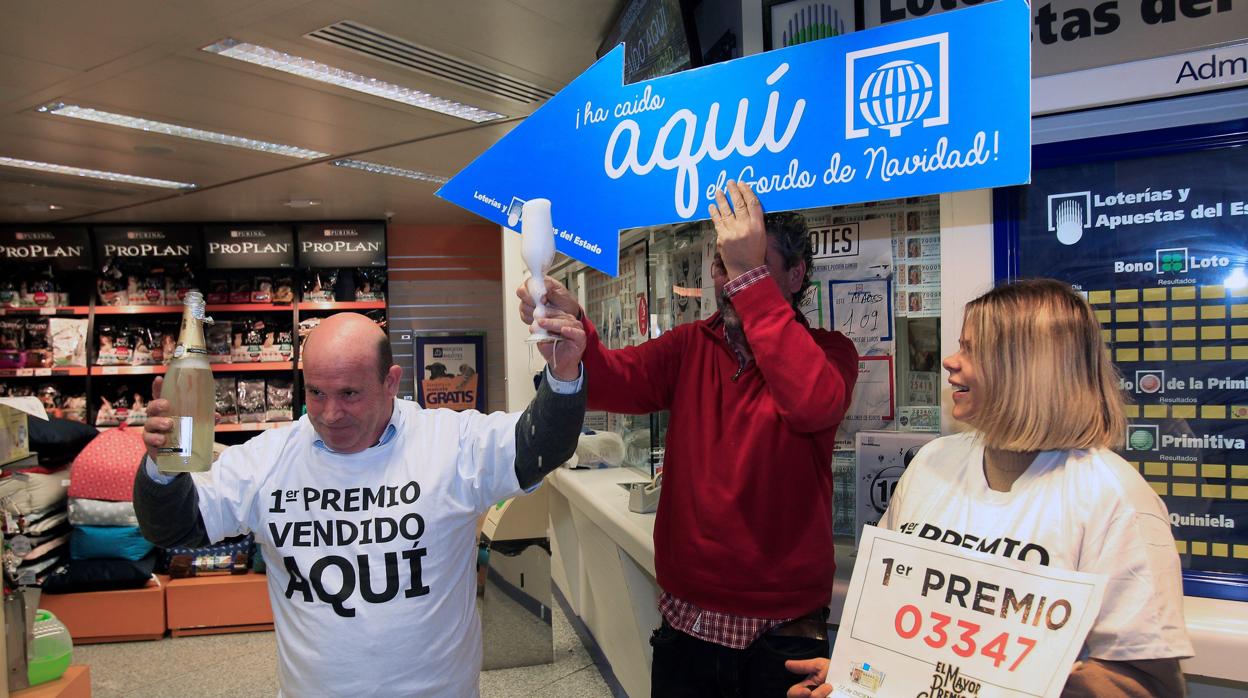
(1132, 411)
(1237, 332)
(1183, 353)
(1241, 552)
(1098, 297)
(1239, 472)
(1239, 492)
(1156, 411)
(1183, 470)
(1213, 470)
(1221, 550)
(1183, 293)
(1239, 353)
(1212, 312)
(1129, 355)
(1213, 491)
(1155, 353)
(1183, 411)
(1159, 487)
(1107, 336)
(1184, 489)
(1200, 548)
(1183, 334)
(1239, 310)
(1155, 314)
(1183, 312)
(1181, 546)
(1213, 411)
(1127, 315)
(1213, 332)
(1155, 469)
(1213, 292)
(1159, 334)
(1131, 335)
(1127, 295)
(1213, 353)
(1154, 294)
(1104, 316)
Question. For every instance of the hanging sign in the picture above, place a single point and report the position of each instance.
(935, 105)
(924, 618)
(66, 249)
(249, 247)
(145, 244)
(332, 245)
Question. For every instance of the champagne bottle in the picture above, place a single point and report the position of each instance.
(189, 389)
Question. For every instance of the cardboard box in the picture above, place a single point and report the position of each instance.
(74, 683)
(111, 616)
(218, 604)
(14, 434)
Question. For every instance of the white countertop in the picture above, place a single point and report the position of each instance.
(1219, 629)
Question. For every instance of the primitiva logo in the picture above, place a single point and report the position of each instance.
(1141, 437)
(892, 86)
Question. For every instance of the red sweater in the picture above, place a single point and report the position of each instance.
(745, 517)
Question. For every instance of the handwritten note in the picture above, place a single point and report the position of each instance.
(861, 309)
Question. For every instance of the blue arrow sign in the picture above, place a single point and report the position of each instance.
(920, 107)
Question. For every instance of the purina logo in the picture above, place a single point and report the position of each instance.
(35, 236)
(1069, 215)
(340, 233)
(1172, 261)
(892, 86)
(1141, 437)
(1150, 382)
(145, 235)
(246, 233)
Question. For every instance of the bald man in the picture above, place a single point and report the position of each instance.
(365, 511)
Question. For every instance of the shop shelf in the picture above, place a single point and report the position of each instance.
(137, 309)
(149, 370)
(254, 366)
(249, 307)
(126, 370)
(253, 426)
(346, 305)
(41, 372)
(64, 310)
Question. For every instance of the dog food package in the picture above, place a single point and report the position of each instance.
(240, 289)
(218, 291)
(370, 284)
(284, 289)
(227, 400)
(38, 349)
(251, 398)
(318, 287)
(262, 290)
(68, 337)
(217, 338)
(279, 400)
(115, 345)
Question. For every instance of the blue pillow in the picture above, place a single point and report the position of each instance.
(108, 542)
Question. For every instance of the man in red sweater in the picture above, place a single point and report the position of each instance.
(743, 539)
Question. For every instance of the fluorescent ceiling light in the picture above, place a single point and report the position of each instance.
(313, 70)
(386, 169)
(94, 174)
(198, 134)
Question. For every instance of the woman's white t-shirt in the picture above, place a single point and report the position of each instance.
(1088, 511)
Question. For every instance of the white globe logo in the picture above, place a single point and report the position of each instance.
(894, 95)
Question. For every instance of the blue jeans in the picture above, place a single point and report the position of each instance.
(686, 667)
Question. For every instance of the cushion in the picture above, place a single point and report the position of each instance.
(100, 575)
(118, 542)
(59, 441)
(26, 493)
(105, 468)
(45, 547)
(231, 556)
(97, 512)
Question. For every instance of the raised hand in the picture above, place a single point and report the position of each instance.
(156, 430)
(557, 297)
(563, 356)
(740, 232)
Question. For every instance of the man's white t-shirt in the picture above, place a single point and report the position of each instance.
(370, 556)
(1088, 511)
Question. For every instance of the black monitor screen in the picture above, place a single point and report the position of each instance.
(655, 39)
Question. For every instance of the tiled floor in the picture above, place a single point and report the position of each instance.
(245, 665)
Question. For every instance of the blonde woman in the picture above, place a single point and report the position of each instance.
(1035, 480)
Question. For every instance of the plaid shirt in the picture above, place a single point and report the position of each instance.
(724, 629)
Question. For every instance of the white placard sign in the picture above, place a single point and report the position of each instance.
(926, 619)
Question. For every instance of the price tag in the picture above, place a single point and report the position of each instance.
(22, 372)
(47, 311)
(111, 370)
(928, 618)
(43, 371)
